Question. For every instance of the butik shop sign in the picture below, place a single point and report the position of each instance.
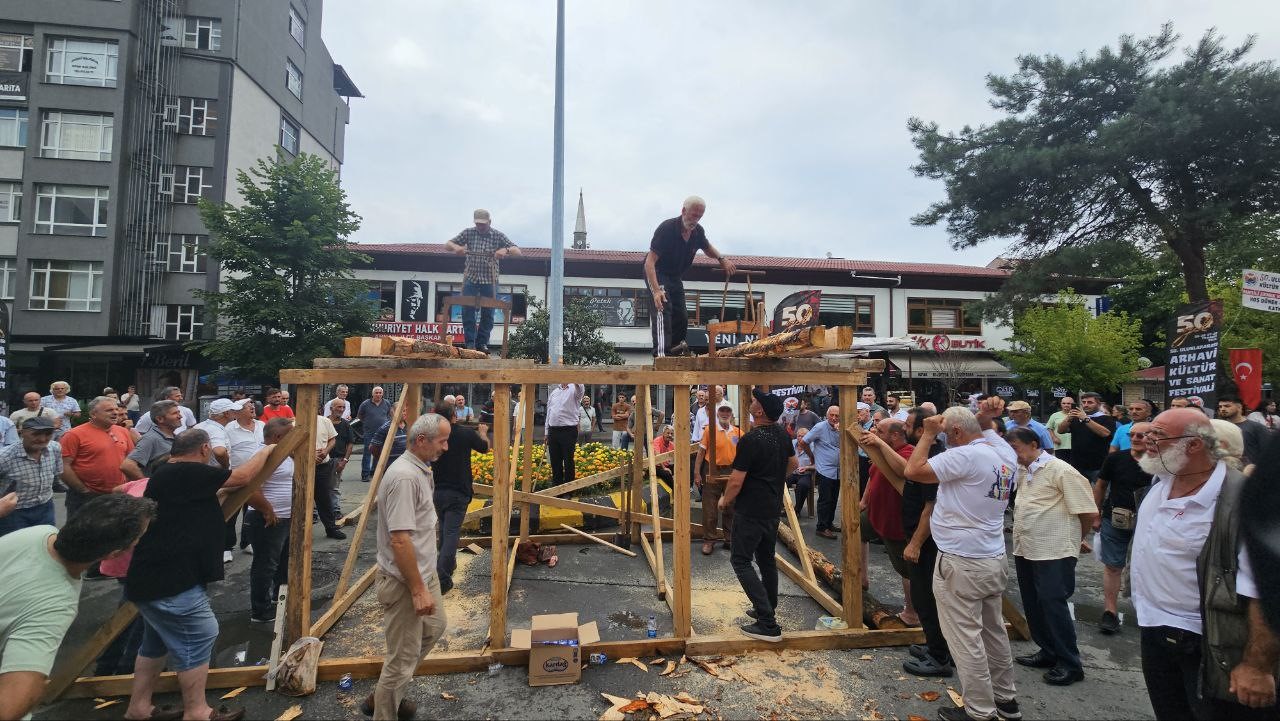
(943, 343)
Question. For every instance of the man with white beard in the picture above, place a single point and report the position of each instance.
(675, 243)
(1188, 556)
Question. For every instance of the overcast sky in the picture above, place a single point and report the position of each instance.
(789, 118)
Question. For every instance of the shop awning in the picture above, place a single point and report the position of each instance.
(26, 347)
(955, 365)
(112, 348)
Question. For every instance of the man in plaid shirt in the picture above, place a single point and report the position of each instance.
(27, 472)
(483, 246)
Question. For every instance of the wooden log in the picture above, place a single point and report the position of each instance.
(401, 347)
(502, 498)
(875, 615)
(680, 545)
(297, 622)
(601, 541)
(802, 341)
(659, 578)
(369, 370)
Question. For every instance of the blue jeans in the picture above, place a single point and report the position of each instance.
(451, 506)
(270, 568)
(41, 515)
(474, 337)
(181, 626)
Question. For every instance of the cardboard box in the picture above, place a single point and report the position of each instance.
(552, 663)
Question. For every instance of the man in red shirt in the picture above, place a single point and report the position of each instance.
(882, 503)
(92, 453)
(276, 406)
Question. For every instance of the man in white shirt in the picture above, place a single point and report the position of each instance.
(975, 477)
(340, 394)
(266, 518)
(326, 438)
(221, 412)
(562, 430)
(244, 438)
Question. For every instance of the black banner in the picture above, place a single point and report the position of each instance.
(797, 310)
(1192, 370)
(13, 86)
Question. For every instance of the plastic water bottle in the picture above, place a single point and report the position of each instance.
(345, 683)
(651, 628)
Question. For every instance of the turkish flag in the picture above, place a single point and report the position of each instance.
(1246, 369)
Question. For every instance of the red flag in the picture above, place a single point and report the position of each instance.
(1246, 369)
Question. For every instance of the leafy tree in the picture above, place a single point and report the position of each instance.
(288, 294)
(583, 342)
(1112, 149)
(1063, 344)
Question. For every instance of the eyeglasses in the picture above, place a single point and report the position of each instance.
(1157, 439)
(1139, 434)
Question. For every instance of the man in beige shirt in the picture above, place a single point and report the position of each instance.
(1053, 515)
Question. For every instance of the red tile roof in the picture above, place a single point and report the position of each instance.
(755, 262)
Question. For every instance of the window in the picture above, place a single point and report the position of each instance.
(382, 293)
(855, 311)
(191, 116)
(66, 285)
(183, 322)
(71, 210)
(181, 253)
(82, 62)
(76, 136)
(516, 295)
(8, 278)
(288, 135)
(185, 183)
(13, 127)
(293, 78)
(941, 315)
(202, 34)
(10, 202)
(704, 305)
(297, 28)
(610, 303)
(15, 52)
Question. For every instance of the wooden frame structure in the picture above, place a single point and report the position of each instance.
(675, 588)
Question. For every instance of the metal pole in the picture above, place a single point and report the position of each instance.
(555, 301)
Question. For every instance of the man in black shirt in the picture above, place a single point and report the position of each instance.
(1091, 430)
(452, 473)
(1116, 494)
(764, 459)
(675, 243)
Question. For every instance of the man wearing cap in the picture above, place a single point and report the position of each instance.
(1020, 417)
(763, 461)
(27, 470)
(675, 243)
(823, 443)
(222, 412)
(484, 247)
(712, 481)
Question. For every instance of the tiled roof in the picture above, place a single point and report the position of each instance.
(757, 262)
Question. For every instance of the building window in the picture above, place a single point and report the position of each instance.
(15, 52)
(612, 305)
(76, 136)
(8, 278)
(297, 28)
(382, 293)
(185, 183)
(191, 116)
(66, 285)
(941, 315)
(202, 34)
(293, 78)
(182, 253)
(183, 322)
(10, 202)
(704, 305)
(855, 311)
(13, 127)
(288, 135)
(71, 210)
(516, 295)
(82, 62)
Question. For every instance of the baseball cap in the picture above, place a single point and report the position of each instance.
(222, 405)
(771, 404)
(864, 406)
(724, 407)
(1018, 406)
(37, 423)
(481, 216)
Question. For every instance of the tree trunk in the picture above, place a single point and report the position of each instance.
(874, 614)
(1190, 252)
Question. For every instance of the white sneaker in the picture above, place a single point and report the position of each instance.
(227, 557)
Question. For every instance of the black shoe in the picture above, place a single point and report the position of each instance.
(928, 666)
(270, 618)
(679, 349)
(755, 630)
(954, 713)
(1063, 676)
(335, 533)
(918, 650)
(1008, 710)
(1039, 659)
(1109, 624)
(446, 585)
(751, 613)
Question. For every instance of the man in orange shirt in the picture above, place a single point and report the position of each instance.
(92, 453)
(726, 439)
(276, 406)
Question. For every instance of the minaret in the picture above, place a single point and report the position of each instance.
(580, 227)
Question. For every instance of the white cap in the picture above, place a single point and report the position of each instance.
(222, 405)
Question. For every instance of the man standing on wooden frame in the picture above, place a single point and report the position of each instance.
(671, 252)
(484, 246)
(408, 587)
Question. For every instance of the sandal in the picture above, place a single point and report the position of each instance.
(168, 712)
(226, 713)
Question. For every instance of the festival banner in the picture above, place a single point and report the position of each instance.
(1192, 369)
(1246, 369)
(1260, 290)
(797, 310)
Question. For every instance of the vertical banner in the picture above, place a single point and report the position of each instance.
(1246, 370)
(1192, 370)
(797, 311)
(4, 348)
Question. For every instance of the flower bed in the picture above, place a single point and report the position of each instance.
(588, 459)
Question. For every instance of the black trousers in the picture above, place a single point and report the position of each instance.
(451, 507)
(1045, 588)
(324, 495)
(229, 535)
(674, 316)
(561, 441)
(1171, 667)
(804, 486)
(756, 539)
(921, 575)
(828, 495)
(270, 568)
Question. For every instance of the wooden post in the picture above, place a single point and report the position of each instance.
(528, 394)
(643, 413)
(638, 454)
(680, 514)
(297, 621)
(850, 534)
(802, 548)
(501, 521)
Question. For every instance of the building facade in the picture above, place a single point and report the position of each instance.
(116, 117)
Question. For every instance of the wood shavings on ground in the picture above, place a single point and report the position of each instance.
(915, 717)
(866, 657)
(955, 697)
(671, 666)
(290, 713)
(233, 693)
(616, 704)
(448, 696)
(929, 695)
(105, 704)
(474, 548)
(640, 665)
(658, 661)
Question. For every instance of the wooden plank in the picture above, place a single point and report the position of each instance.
(277, 636)
(659, 578)
(481, 489)
(804, 641)
(557, 538)
(850, 535)
(297, 622)
(342, 603)
(643, 411)
(349, 566)
(597, 375)
(502, 498)
(392, 363)
(680, 546)
(810, 586)
(806, 563)
(633, 503)
(722, 364)
(1017, 623)
(601, 541)
(528, 397)
(284, 448)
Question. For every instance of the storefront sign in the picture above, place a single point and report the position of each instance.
(13, 86)
(167, 359)
(1060, 392)
(726, 340)
(614, 311)
(1192, 370)
(943, 343)
(435, 332)
(1261, 290)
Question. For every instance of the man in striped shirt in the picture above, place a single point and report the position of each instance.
(484, 247)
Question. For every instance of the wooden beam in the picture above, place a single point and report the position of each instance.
(369, 371)
(681, 545)
(709, 365)
(1018, 628)
(502, 498)
(297, 622)
(645, 416)
(528, 402)
(850, 535)
(599, 540)
(804, 641)
(558, 538)
(813, 340)
(806, 563)
(810, 586)
(635, 497)
(342, 603)
(659, 577)
(277, 637)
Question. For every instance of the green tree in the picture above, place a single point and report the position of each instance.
(1112, 149)
(1063, 344)
(583, 342)
(288, 295)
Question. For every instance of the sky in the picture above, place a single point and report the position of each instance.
(789, 118)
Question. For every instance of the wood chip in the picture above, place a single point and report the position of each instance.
(955, 697)
(234, 692)
(707, 667)
(290, 713)
(637, 705)
(685, 697)
(106, 704)
(866, 657)
(448, 696)
(615, 703)
(684, 659)
(929, 695)
(671, 666)
(475, 548)
(658, 661)
(914, 717)
(626, 659)
(640, 665)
